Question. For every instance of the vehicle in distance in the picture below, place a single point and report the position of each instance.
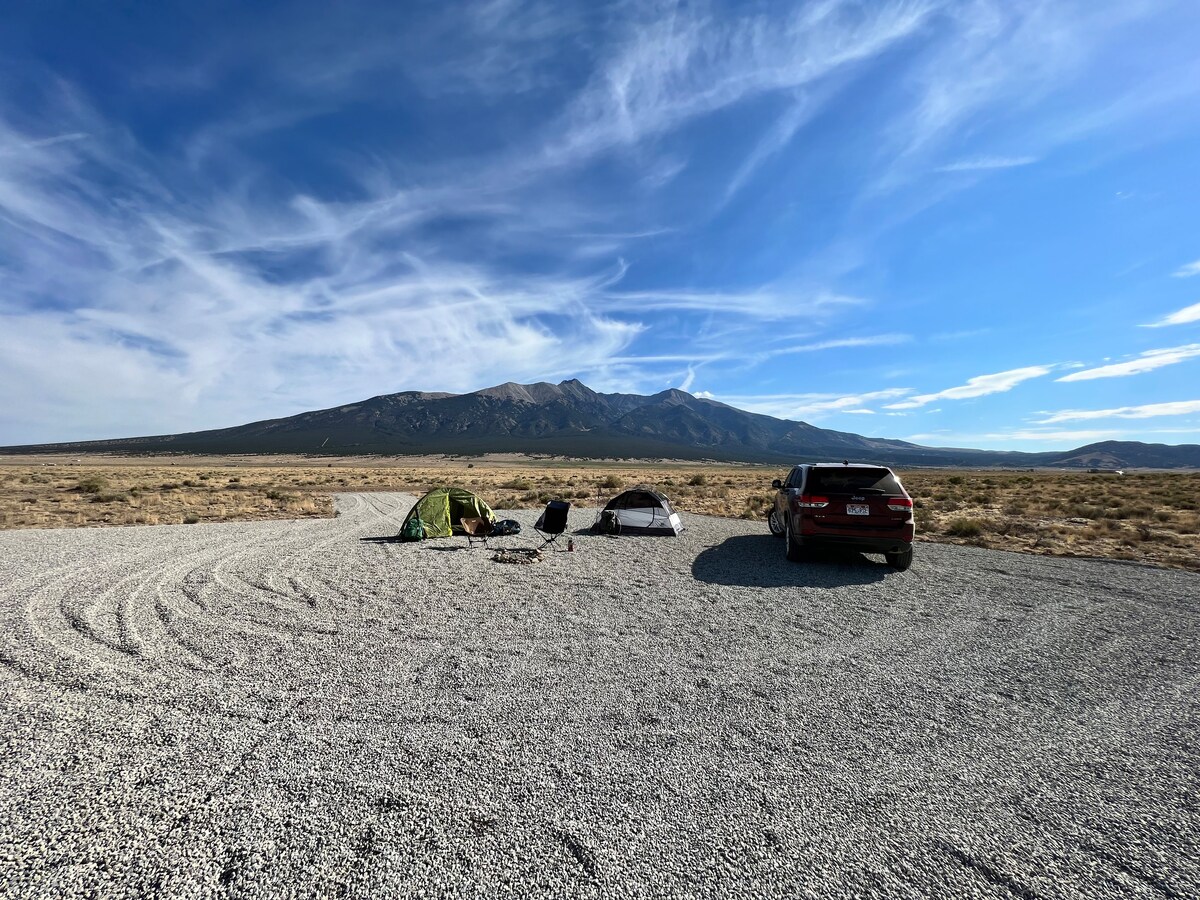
(862, 507)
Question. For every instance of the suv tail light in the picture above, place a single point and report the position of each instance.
(811, 501)
(899, 504)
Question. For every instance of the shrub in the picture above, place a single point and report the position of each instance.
(698, 480)
(108, 498)
(611, 482)
(1128, 512)
(92, 484)
(518, 484)
(964, 528)
(758, 502)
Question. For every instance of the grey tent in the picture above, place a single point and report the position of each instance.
(643, 510)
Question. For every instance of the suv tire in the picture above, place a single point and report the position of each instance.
(774, 524)
(900, 561)
(795, 551)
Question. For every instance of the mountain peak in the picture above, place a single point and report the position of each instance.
(538, 392)
(510, 390)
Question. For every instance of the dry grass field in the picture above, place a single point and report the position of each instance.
(1151, 517)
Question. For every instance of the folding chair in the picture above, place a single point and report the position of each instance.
(478, 530)
(552, 522)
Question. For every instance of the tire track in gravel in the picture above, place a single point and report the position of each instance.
(160, 607)
(269, 593)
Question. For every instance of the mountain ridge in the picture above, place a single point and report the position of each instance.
(571, 419)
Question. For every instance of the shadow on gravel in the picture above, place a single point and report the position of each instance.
(758, 561)
(389, 539)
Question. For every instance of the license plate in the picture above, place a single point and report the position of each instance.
(853, 509)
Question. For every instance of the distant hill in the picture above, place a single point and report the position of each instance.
(571, 419)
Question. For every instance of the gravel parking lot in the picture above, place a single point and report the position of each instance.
(292, 709)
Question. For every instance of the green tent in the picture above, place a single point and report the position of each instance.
(438, 513)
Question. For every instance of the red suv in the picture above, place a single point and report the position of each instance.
(861, 507)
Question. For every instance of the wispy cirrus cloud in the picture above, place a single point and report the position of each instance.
(985, 163)
(1145, 362)
(764, 303)
(1145, 411)
(777, 137)
(687, 64)
(1073, 436)
(1180, 317)
(809, 405)
(745, 349)
(1187, 271)
(979, 386)
(867, 340)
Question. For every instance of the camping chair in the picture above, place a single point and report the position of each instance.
(552, 522)
(477, 530)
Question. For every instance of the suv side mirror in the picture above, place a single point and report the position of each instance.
(777, 484)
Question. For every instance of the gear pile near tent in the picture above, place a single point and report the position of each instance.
(437, 514)
(642, 510)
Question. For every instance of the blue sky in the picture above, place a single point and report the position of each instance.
(959, 223)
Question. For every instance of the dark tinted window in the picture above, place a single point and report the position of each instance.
(853, 479)
(794, 477)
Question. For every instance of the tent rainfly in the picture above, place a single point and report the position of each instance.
(439, 512)
(643, 510)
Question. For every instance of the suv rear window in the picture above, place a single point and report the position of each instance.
(851, 480)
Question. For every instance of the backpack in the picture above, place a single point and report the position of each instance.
(608, 523)
(414, 530)
(505, 527)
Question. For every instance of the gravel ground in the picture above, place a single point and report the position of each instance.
(286, 709)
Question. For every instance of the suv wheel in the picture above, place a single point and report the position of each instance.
(900, 561)
(795, 552)
(774, 524)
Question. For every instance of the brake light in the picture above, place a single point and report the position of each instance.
(899, 504)
(811, 501)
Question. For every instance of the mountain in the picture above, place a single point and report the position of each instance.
(571, 419)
